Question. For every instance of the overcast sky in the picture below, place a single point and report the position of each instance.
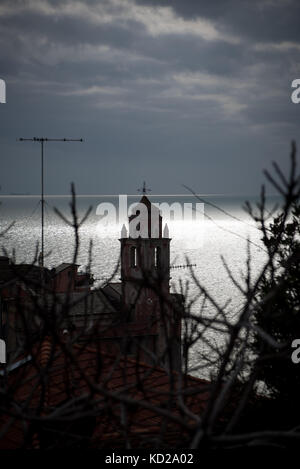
(171, 91)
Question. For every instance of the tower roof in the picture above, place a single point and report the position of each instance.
(154, 228)
(144, 200)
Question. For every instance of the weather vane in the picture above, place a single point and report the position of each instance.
(144, 189)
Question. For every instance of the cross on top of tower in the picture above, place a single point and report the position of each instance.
(144, 189)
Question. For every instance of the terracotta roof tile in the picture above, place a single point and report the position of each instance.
(104, 382)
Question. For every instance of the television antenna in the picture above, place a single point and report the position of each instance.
(42, 140)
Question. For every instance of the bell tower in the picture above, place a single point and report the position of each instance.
(145, 259)
(145, 274)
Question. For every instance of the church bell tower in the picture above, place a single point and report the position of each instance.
(145, 259)
(145, 276)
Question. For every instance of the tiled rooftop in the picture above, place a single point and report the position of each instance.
(126, 402)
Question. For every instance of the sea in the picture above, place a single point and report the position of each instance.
(210, 234)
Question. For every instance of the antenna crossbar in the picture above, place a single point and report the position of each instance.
(42, 140)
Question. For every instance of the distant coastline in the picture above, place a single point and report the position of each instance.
(20, 193)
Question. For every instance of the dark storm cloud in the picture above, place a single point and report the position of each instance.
(72, 30)
(260, 20)
(180, 91)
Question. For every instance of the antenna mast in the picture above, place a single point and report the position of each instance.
(41, 140)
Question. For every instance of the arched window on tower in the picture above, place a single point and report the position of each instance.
(133, 256)
(157, 257)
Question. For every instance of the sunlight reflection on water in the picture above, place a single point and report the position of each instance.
(197, 242)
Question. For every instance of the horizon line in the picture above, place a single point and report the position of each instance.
(137, 195)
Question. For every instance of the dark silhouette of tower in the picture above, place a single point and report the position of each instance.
(145, 275)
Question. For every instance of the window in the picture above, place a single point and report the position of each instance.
(133, 256)
(157, 257)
